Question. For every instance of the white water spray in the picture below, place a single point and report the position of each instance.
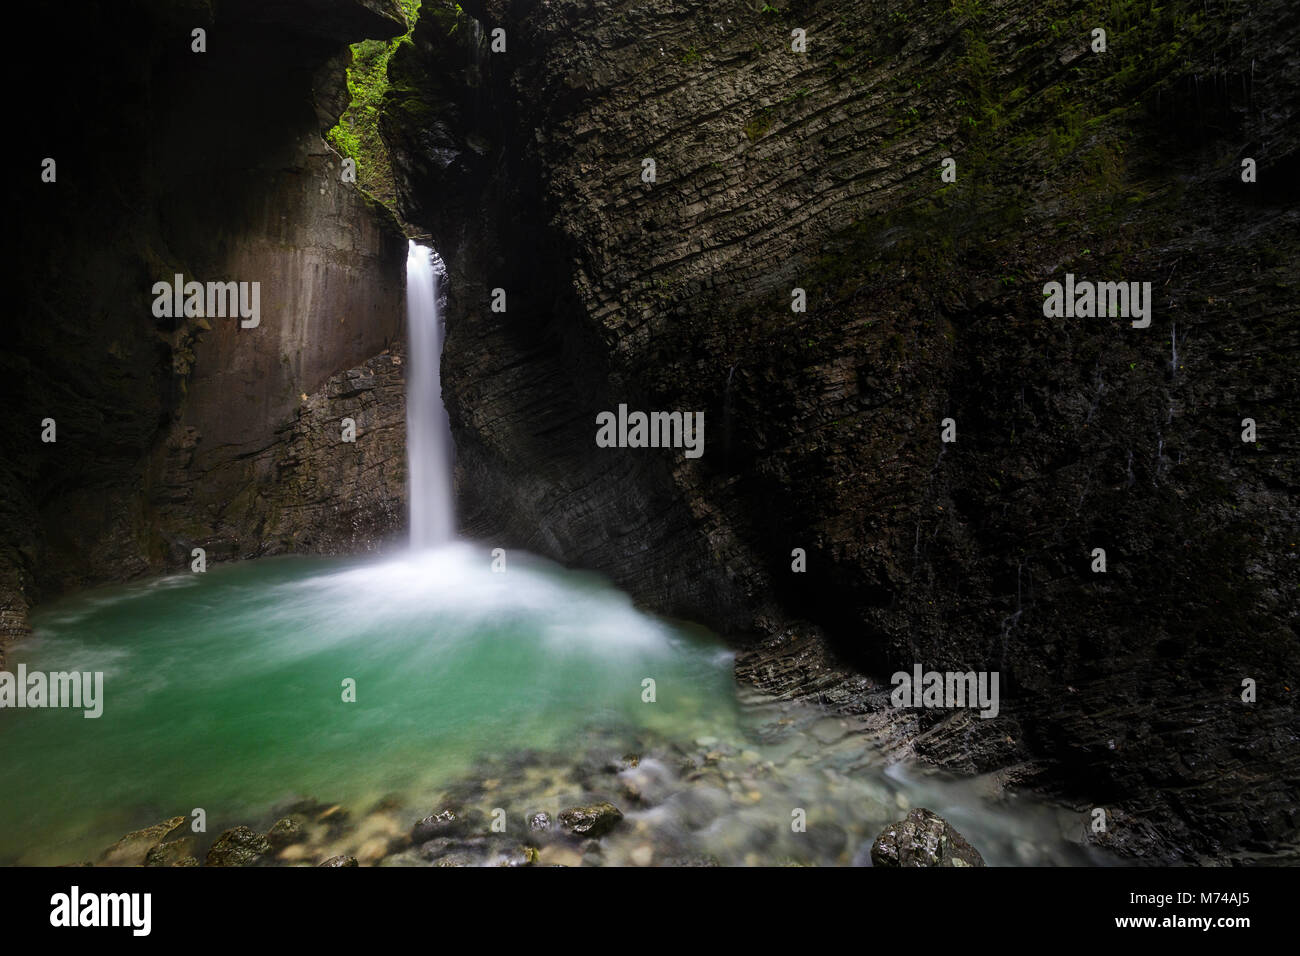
(428, 434)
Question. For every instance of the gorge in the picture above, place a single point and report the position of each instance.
(774, 170)
(513, 691)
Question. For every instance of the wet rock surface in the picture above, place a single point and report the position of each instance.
(172, 853)
(446, 823)
(239, 846)
(285, 832)
(923, 839)
(591, 821)
(772, 789)
(134, 848)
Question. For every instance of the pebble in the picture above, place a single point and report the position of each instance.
(373, 850)
(558, 856)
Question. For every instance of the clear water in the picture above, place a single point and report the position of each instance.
(224, 691)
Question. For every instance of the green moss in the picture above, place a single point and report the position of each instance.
(356, 135)
(759, 126)
(449, 16)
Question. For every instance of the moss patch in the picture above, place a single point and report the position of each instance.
(356, 135)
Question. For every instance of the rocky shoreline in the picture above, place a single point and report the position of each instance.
(452, 838)
(798, 787)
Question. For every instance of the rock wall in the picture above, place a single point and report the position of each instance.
(821, 170)
(175, 433)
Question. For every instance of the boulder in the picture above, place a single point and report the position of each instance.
(238, 847)
(133, 848)
(283, 833)
(923, 839)
(173, 853)
(447, 822)
(594, 820)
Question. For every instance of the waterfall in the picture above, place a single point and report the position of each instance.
(428, 434)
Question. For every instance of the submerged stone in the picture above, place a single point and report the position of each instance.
(284, 832)
(446, 822)
(173, 853)
(333, 816)
(133, 848)
(559, 856)
(697, 860)
(440, 847)
(594, 820)
(514, 856)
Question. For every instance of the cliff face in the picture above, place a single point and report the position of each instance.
(821, 171)
(184, 432)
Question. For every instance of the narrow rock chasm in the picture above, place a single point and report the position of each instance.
(774, 171)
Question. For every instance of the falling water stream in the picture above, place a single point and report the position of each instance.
(428, 435)
(500, 691)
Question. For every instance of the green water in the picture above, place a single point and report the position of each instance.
(224, 690)
(505, 693)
